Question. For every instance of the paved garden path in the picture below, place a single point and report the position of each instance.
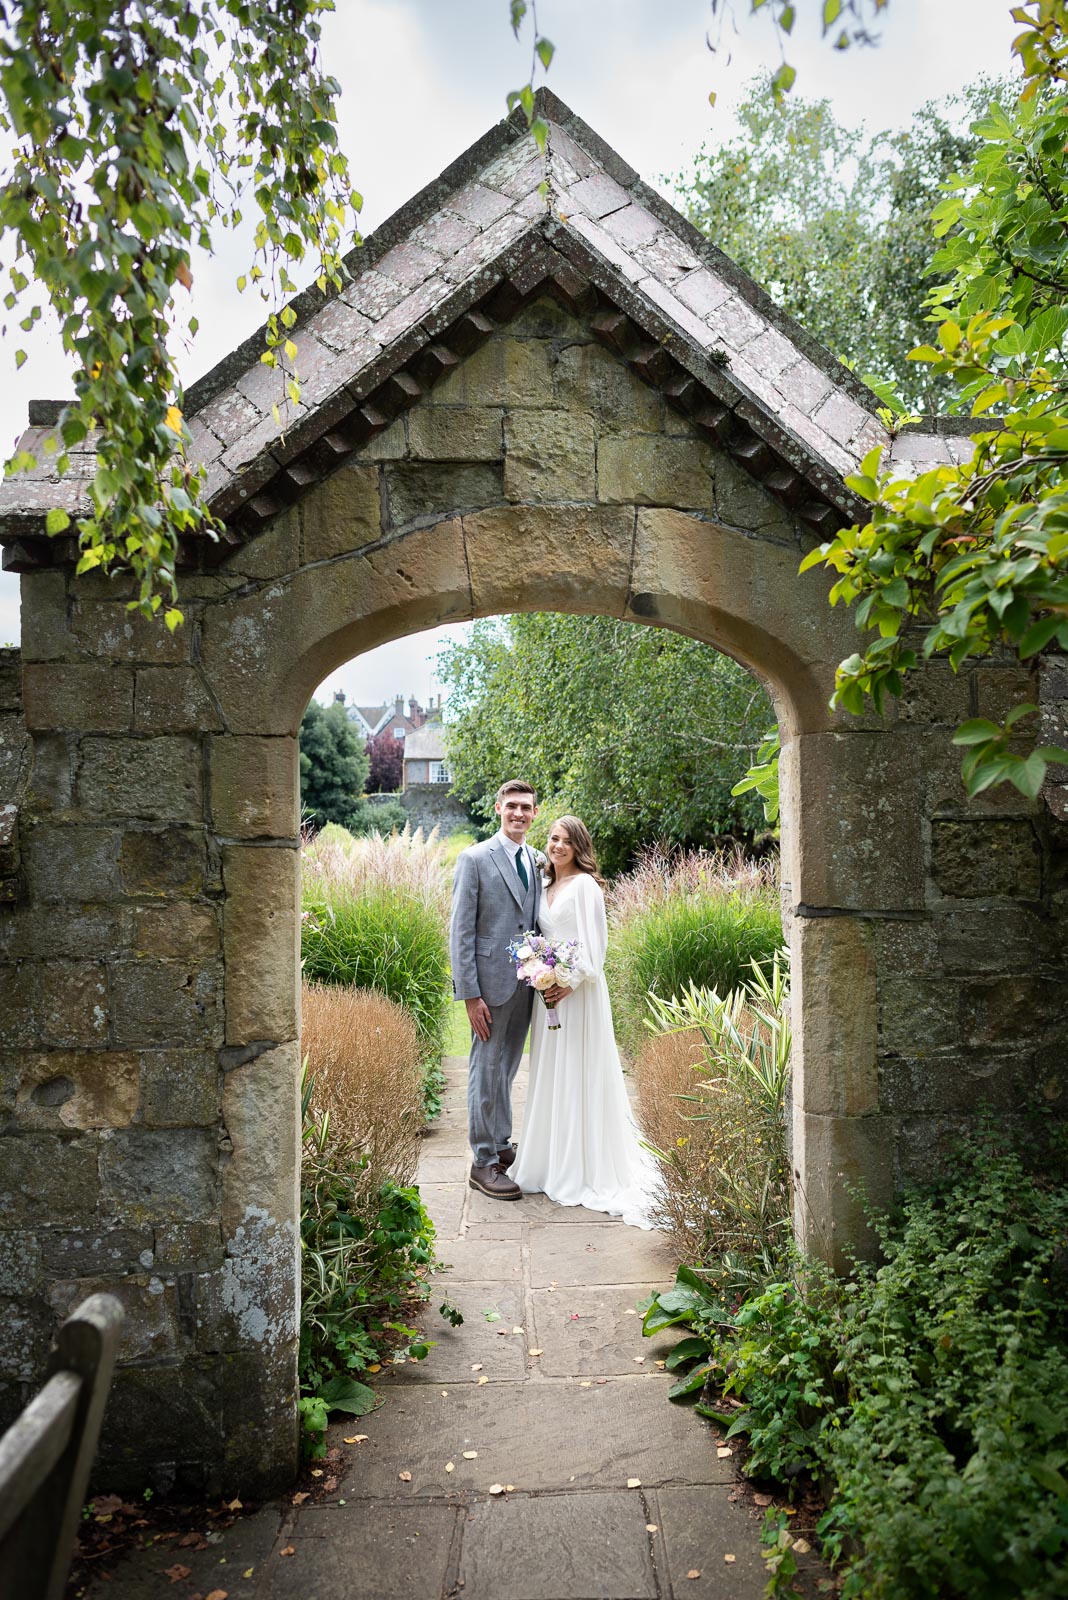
(549, 1390)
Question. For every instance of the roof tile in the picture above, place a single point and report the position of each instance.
(632, 227)
(600, 195)
(702, 291)
(477, 204)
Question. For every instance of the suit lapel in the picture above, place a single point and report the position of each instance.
(507, 871)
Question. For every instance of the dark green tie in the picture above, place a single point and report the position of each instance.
(521, 868)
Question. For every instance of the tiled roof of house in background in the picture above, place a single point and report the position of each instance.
(426, 743)
(501, 224)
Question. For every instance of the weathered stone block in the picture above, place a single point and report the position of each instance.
(261, 1112)
(647, 470)
(77, 1089)
(956, 1083)
(391, 445)
(17, 1025)
(70, 1003)
(170, 1003)
(261, 934)
(86, 697)
(255, 790)
(272, 552)
(184, 1405)
(179, 1088)
(343, 513)
(859, 797)
(10, 679)
(150, 1305)
(840, 1162)
(1000, 689)
(45, 634)
(743, 503)
(96, 1252)
(72, 863)
(918, 1016)
(936, 696)
(426, 489)
(190, 1246)
(456, 433)
(71, 1168)
(166, 861)
(105, 628)
(1006, 939)
(587, 379)
(51, 785)
(834, 1051)
(1010, 1010)
(583, 554)
(27, 1336)
(14, 752)
(178, 931)
(157, 779)
(153, 1175)
(20, 1263)
(503, 372)
(981, 859)
(906, 947)
(549, 456)
(172, 700)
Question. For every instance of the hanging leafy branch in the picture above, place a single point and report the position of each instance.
(966, 560)
(137, 130)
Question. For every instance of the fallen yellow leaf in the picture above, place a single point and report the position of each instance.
(470, 1455)
(317, 1472)
(357, 1438)
(481, 1381)
(518, 1330)
(634, 1483)
(509, 1488)
(586, 1384)
(496, 1488)
(477, 1367)
(299, 1499)
(405, 1477)
(730, 1558)
(651, 1527)
(450, 1466)
(630, 1312)
(533, 1352)
(235, 1505)
(639, 1361)
(217, 1594)
(724, 1450)
(801, 1546)
(288, 1551)
(376, 1366)
(694, 1572)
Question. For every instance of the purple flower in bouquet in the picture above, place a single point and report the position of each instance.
(544, 963)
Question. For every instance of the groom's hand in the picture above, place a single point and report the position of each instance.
(478, 1013)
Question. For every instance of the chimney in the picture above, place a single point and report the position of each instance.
(339, 697)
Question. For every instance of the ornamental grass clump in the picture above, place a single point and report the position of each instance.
(686, 919)
(367, 1242)
(712, 1084)
(375, 917)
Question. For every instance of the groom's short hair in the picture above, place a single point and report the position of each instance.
(516, 786)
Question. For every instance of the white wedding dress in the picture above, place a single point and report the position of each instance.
(579, 1144)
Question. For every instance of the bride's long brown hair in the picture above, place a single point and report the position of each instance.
(578, 837)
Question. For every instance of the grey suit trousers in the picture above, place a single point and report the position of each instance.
(494, 1064)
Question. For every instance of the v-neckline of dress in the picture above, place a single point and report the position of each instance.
(574, 877)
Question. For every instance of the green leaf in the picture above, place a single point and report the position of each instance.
(546, 50)
(343, 1393)
(694, 1349)
(57, 520)
(978, 731)
(691, 1384)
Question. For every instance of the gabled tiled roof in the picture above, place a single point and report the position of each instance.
(504, 223)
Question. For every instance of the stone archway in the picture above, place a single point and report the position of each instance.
(559, 400)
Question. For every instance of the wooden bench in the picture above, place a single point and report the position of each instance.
(46, 1454)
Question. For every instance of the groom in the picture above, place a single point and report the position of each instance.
(495, 897)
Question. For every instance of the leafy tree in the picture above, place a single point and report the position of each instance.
(969, 559)
(386, 757)
(638, 730)
(138, 129)
(835, 223)
(333, 767)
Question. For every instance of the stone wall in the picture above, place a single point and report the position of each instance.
(431, 805)
(149, 1027)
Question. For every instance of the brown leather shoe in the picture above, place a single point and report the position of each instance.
(506, 1156)
(495, 1182)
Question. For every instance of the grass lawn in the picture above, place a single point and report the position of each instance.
(458, 1038)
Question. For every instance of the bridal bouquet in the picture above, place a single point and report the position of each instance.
(545, 962)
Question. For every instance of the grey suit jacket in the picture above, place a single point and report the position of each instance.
(487, 912)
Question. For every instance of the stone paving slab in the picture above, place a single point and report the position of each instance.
(477, 1342)
(247, 1544)
(587, 1254)
(558, 1547)
(445, 1203)
(449, 1167)
(595, 1332)
(385, 1550)
(540, 1433)
(699, 1530)
(479, 1258)
(534, 1208)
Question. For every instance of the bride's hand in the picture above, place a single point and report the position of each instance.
(553, 996)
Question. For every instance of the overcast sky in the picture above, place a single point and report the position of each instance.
(422, 79)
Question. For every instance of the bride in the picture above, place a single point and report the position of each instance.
(579, 1144)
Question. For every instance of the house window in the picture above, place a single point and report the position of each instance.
(439, 772)
(398, 733)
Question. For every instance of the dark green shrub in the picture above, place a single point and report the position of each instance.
(932, 1390)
